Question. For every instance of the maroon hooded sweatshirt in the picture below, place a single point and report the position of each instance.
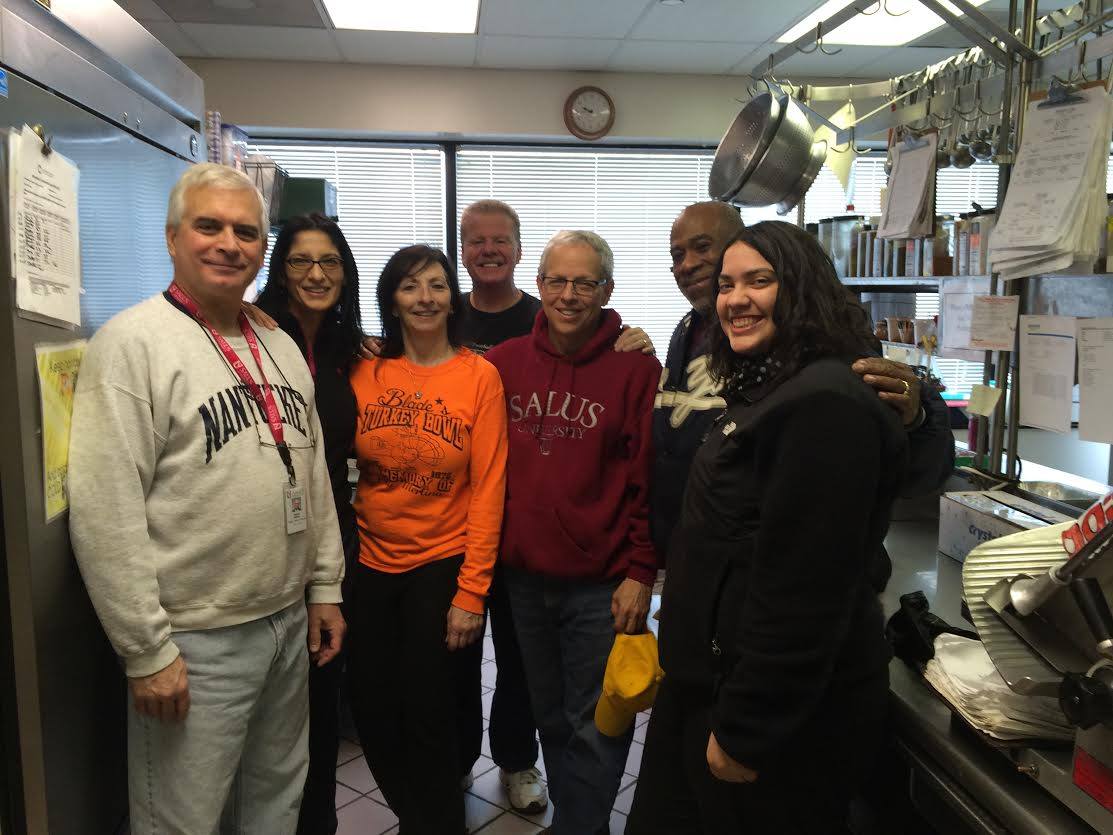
(580, 456)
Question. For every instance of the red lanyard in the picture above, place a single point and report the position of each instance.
(263, 395)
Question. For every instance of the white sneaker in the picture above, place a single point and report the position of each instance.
(525, 789)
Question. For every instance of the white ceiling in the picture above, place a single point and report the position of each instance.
(702, 36)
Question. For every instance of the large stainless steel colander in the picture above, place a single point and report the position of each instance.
(779, 170)
(815, 163)
(742, 145)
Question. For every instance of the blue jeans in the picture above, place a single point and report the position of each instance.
(237, 763)
(566, 630)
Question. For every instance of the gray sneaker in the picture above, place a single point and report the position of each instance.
(525, 789)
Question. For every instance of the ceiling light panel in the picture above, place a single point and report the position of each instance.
(890, 24)
(451, 16)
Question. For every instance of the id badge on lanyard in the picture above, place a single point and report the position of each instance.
(294, 504)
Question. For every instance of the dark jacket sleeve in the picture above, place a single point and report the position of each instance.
(931, 449)
(639, 424)
(821, 466)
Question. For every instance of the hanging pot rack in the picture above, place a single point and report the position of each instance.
(995, 77)
(927, 94)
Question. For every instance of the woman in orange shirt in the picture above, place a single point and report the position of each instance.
(431, 447)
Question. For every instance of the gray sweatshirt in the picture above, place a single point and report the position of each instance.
(177, 490)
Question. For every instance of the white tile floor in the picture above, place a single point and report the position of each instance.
(362, 810)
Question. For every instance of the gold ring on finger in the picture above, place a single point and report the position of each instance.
(907, 388)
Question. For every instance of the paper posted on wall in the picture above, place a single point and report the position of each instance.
(58, 366)
(1055, 207)
(909, 211)
(1047, 371)
(44, 242)
(1095, 380)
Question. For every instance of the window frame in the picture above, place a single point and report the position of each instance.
(450, 151)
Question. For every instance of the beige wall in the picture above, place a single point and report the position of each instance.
(444, 103)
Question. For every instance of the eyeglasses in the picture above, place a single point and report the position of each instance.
(580, 286)
(330, 265)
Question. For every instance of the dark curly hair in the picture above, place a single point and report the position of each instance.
(404, 262)
(815, 314)
(343, 323)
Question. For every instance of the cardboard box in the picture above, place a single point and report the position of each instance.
(968, 519)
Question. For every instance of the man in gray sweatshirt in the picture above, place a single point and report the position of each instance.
(203, 523)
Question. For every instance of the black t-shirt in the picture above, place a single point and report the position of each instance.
(481, 330)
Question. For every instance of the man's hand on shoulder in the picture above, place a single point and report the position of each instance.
(326, 632)
(163, 695)
(634, 339)
(896, 384)
(257, 316)
(370, 348)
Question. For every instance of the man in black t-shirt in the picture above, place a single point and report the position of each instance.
(494, 311)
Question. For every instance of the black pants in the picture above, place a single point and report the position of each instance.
(807, 792)
(318, 804)
(401, 692)
(512, 731)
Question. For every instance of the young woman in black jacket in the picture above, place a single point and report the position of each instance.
(776, 668)
(312, 292)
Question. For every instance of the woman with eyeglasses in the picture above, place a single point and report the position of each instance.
(772, 641)
(431, 448)
(312, 292)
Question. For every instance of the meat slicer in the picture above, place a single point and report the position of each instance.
(1039, 600)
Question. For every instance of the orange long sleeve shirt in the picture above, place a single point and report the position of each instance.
(431, 449)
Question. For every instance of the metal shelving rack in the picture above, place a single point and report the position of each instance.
(1027, 54)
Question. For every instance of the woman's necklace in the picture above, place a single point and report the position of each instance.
(419, 387)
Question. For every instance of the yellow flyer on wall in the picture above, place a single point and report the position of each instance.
(58, 365)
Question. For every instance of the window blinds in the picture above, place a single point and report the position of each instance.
(629, 197)
(387, 197)
(392, 195)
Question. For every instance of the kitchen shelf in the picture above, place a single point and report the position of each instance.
(898, 284)
(903, 283)
(905, 352)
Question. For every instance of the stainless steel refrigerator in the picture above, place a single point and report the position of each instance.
(126, 111)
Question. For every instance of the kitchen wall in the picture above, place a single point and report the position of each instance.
(316, 99)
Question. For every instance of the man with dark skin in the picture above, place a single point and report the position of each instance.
(688, 400)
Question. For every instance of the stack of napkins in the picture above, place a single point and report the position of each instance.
(909, 205)
(1055, 206)
(965, 676)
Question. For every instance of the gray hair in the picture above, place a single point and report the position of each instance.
(212, 175)
(581, 237)
(493, 207)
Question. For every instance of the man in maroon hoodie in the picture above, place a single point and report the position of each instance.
(578, 558)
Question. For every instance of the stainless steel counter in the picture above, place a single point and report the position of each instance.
(957, 778)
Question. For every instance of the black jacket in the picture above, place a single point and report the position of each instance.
(688, 403)
(336, 407)
(770, 603)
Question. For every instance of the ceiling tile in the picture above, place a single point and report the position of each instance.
(722, 20)
(276, 43)
(143, 10)
(560, 18)
(407, 48)
(174, 39)
(262, 13)
(670, 56)
(544, 53)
